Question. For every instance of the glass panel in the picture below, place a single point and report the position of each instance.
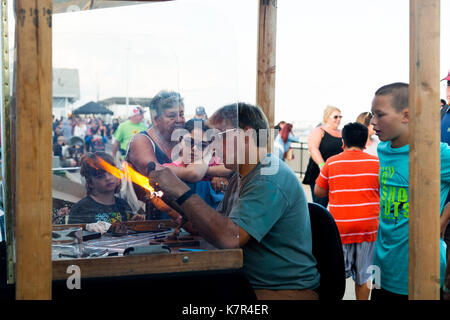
(159, 75)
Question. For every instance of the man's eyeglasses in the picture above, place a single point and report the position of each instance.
(223, 132)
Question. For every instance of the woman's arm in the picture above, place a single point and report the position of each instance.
(191, 173)
(293, 138)
(141, 152)
(218, 171)
(314, 140)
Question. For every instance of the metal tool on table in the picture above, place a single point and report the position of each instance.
(141, 250)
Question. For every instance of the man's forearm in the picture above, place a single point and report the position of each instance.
(218, 230)
(215, 228)
(320, 192)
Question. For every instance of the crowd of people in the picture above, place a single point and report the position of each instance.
(75, 135)
(217, 179)
(368, 190)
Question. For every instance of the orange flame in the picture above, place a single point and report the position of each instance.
(129, 173)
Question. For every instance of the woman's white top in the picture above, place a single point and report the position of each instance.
(372, 149)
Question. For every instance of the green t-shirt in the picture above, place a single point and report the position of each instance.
(272, 208)
(392, 245)
(126, 131)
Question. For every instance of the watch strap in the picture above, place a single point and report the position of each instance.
(185, 196)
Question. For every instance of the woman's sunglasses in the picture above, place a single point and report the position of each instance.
(190, 142)
(336, 117)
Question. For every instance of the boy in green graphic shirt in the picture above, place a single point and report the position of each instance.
(390, 122)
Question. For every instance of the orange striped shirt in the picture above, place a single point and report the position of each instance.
(351, 179)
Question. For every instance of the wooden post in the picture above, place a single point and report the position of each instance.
(265, 87)
(33, 143)
(8, 177)
(424, 167)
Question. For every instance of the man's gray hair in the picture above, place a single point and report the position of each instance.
(241, 115)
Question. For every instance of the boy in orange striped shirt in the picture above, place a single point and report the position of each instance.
(351, 181)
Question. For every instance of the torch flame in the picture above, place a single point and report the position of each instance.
(129, 173)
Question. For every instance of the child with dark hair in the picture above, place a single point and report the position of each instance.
(351, 181)
(196, 166)
(100, 203)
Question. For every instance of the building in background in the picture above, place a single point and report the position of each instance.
(66, 90)
(122, 110)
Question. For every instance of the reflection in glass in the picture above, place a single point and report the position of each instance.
(155, 75)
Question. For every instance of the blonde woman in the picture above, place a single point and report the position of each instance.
(323, 142)
(372, 140)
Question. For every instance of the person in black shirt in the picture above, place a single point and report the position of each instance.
(115, 125)
(100, 204)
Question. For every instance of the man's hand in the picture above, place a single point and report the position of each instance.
(162, 206)
(219, 184)
(63, 212)
(168, 182)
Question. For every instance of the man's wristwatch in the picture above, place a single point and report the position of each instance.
(185, 196)
(150, 167)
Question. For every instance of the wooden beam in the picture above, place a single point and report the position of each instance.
(33, 114)
(424, 135)
(265, 87)
(151, 264)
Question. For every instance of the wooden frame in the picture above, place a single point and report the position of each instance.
(424, 150)
(265, 82)
(151, 264)
(33, 151)
(7, 149)
(33, 113)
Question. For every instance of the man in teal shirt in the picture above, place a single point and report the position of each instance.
(126, 130)
(390, 122)
(264, 211)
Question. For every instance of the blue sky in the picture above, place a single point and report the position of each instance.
(328, 52)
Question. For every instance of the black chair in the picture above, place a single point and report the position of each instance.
(327, 249)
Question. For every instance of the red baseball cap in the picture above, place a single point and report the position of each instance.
(448, 77)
